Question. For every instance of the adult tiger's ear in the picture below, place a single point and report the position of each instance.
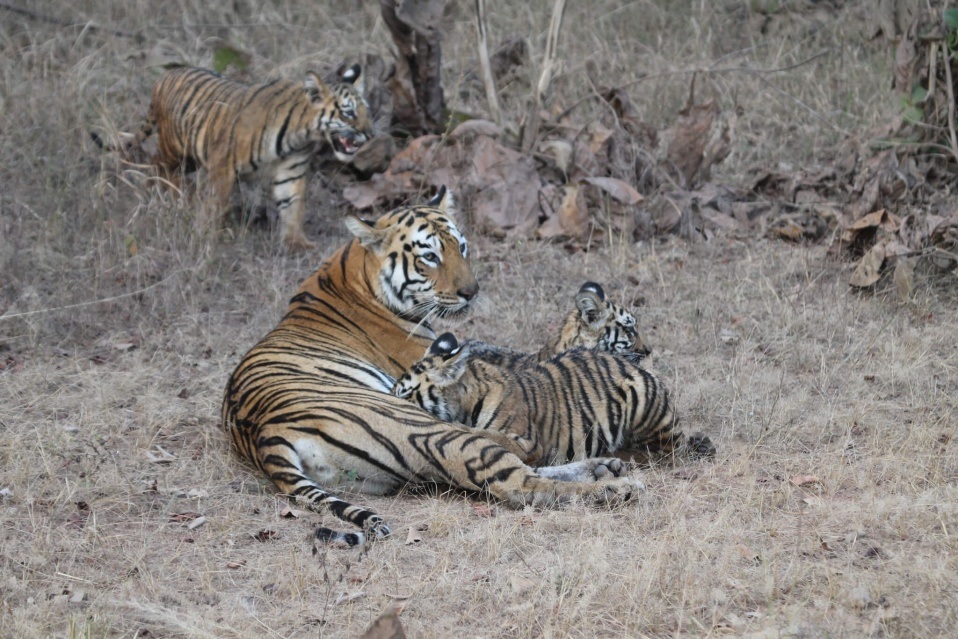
(589, 304)
(369, 236)
(354, 76)
(443, 201)
(316, 89)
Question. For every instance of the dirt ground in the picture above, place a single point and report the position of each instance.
(831, 509)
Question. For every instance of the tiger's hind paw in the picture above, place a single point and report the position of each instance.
(587, 470)
(700, 447)
(618, 491)
(608, 467)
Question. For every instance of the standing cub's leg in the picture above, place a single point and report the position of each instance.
(289, 193)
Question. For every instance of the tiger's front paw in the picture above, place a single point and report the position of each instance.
(618, 491)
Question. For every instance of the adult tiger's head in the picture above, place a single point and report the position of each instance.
(422, 260)
(599, 323)
(341, 114)
(427, 382)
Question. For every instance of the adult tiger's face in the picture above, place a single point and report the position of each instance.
(422, 259)
(426, 383)
(342, 115)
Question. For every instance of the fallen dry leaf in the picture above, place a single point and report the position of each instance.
(570, 220)
(521, 584)
(196, 523)
(347, 597)
(482, 510)
(617, 189)
(386, 626)
(868, 269)
(690, 135)
(413, 536)
(904, 278)
(265, 535)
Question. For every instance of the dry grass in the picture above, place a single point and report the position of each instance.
(858, 390)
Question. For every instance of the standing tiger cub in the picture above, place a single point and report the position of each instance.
(234, 130)
(578, 404)
(309, 404)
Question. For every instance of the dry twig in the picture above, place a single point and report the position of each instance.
(487, 80)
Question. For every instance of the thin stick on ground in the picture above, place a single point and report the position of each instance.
(531, 130)
(487, 78)
(953, 138)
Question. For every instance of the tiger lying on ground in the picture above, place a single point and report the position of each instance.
(595, 323)
(578, 404)
(310, 405)
(234, 130)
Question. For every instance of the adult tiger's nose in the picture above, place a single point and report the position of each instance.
(469, 291)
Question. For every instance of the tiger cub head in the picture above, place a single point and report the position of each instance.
(431, 382)
(341, 113)
(600, 324)
(422, 260)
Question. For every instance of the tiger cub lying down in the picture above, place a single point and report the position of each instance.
(595, 323)
(578, 404)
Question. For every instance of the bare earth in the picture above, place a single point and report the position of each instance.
(830, 511)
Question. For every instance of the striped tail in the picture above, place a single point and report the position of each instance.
(317, 499)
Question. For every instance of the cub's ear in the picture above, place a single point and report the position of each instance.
(595, 288)
(589, 304)
(443, 201)
(316, 89)
(369, 236)
(445, 344)
(354, 76)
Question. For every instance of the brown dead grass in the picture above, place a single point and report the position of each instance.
(857, 390)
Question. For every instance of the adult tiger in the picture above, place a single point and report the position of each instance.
(579, 403)
(234, 130)
(310, 404)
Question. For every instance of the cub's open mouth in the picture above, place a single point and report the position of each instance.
(346, 144)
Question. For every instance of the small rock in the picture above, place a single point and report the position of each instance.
(858, 597)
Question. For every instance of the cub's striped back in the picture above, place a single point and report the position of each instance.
(578, 404)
